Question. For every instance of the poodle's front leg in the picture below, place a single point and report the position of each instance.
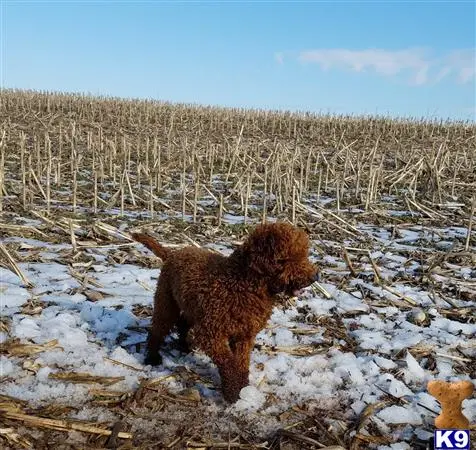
(242, 352)
(232, 377)
(218, 349)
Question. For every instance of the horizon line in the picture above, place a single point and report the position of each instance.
(298, 113)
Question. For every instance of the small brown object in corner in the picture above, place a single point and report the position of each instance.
(451, 396)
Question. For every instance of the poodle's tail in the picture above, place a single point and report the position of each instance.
(158, 250)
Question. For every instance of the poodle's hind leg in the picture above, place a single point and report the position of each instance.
(166, 314)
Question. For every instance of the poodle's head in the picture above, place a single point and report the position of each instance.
(278, 254)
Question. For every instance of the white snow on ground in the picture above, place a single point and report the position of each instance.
(90, 334)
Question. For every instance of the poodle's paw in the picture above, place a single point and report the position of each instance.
(232, 393)
(231, 396)
(153, 359)
(183, 347)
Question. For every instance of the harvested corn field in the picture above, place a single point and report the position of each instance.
(390, 209)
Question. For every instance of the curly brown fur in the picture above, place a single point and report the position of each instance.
(226, 301)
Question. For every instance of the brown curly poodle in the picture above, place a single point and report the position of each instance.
(226, 301)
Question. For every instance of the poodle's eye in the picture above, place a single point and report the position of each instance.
(281, 260)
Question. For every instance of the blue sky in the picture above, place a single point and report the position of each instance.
(399, 58)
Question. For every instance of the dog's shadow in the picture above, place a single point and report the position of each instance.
(108, 325)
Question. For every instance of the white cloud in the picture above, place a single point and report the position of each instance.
(415, 63)
(462, 63)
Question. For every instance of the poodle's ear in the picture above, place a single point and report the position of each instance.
(260, 250)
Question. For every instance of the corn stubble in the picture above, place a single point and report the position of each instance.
(80, 153)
